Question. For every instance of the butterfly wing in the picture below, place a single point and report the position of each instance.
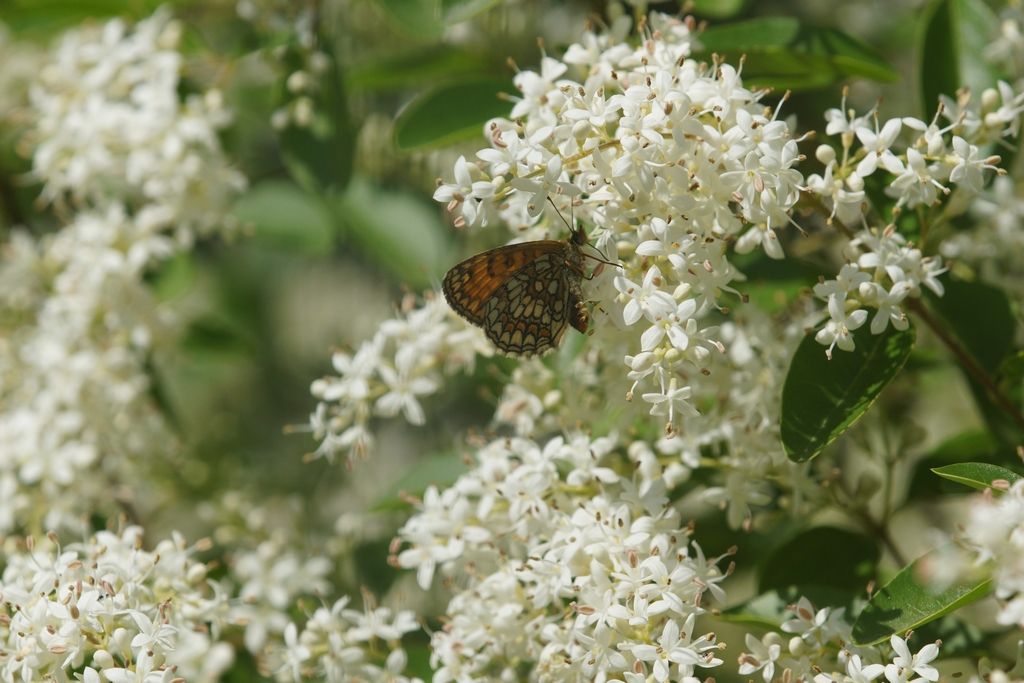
(529, 312)
(469, 285)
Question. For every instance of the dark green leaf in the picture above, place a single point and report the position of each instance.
(450, 113)
(905, 603)
(284, 216)
(954, 38)
(821, 398)
(439, 470)
(413, 68)
(980, 316)
(772, 284)
(399, 231)
(783, 54)
(751, 34)
(822, 556)
(977, 475)
(319, 155)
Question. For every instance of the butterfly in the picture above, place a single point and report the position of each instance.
(525, 295)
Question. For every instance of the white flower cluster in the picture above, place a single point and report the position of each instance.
(533, 528)
(921, 169)
(77, 322)
(406, 359)
(879, 258)
(342, 645)
(272, 577)
(107, 610)
(819, 648)
(111, 126)
(995, 533)
(666, 161)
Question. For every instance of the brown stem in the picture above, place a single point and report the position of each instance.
(977, 373)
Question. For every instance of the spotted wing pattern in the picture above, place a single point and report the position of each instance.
(468, 285)
(522, 295)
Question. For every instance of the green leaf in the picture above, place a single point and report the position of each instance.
(398, 231)
(428, 19)
(415, 67)
(450, 113)
(461, 10)
(977, 475)
(783, 54)
(40, 18)
(319, 155)
(974, 445)
(953, 42)
(771, 284)
(718, 9)
(174, 277)
(905, 603)
(841, 559)
(751, 34)
(284, 216)
(439, 470)
(822, 398)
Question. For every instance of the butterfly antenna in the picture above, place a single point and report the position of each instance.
(561, 215)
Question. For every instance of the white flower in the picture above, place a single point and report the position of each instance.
(762, 656)
(837, 331)
(915, 182)
(904, 663)
(402, 394)
(969, 168)
(671, 649)
(877, 144)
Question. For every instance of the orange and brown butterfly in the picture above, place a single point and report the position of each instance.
(525, 295)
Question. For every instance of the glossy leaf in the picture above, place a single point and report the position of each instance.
(284, 216)
(319, 155)
(954, 38)
(969, 446)
(821, 398)
(784, 54)
(450, 113)
(822, 556)
(399, 232)
(977, 475)
(907, 603)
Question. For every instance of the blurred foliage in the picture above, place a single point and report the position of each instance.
(340, 222)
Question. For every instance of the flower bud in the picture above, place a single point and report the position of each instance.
(825, 154)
